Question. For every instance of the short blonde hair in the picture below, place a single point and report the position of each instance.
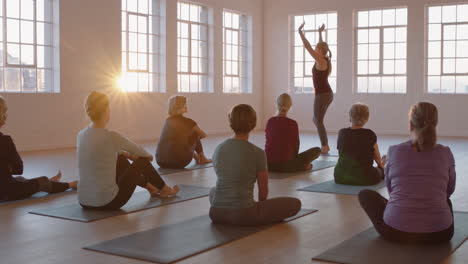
(359, 114)
(177, 105)
(2, 104)
(96, 104)
(284, 103)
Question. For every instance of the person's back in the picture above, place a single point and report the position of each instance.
(97, 155)
(356, 156)
(176, 140)
(419, 184)
(282, 139)
(236, 163)
(9, 159)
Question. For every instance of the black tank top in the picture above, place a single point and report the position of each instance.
(320, 79)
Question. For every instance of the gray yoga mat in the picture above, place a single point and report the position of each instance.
(332, 187)
(171, 243)
(190, 167)
(37, 196)
(139, 201)
(369, 248)
(317, 165)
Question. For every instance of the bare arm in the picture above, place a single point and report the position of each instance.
(262, 182)
(200, 132)
(377, 156)
(317, 56)
(321, 29)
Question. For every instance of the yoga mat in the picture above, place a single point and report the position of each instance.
(139, 201)
(38, 196)
(317, 165)
(369, 248)
(332, 187)
(332, 153)
(190, 167)
(171, 243)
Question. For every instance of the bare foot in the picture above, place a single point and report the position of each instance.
(152, 190)
(325, 149)
(57, 177)
(196, 157)
(73, 185)
(202, 159)
(309, 167)
(168, 191)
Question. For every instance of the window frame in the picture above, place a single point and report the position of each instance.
(244, 52)
(442, 58)
(292, 52)
(381, 74)
(204, 78)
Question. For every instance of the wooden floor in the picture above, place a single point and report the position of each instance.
(26, 238)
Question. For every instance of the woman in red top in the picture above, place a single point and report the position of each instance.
(282, 141)
(323, 92)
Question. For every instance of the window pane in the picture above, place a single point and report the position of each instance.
(374, 84)
(13, 51)
(462, 66)
(400, 34)
(13, 8)
(434, 49)
(389, 35)
(462, 13)
(363, 19)
(388, 17)
(27, 32)
(450, 32)
(462, 49)
(27, 9)
(435, 32)
(388, 84)
(363, 36)
(448, 84)
(27, 55)
(400, 66)
(143, 6)
(462, 84)
(374, 36)
(389, 67)
(13, 30)
(402, 16)
(435, 14)
(449, 49)
(374, 67)
(449, 14)
(375, 18)
(389, 51)
(362, 85)
(449, 65)
(434, 66)
(363, 51)
(29, 80)
(12, 80)
(462, 32)
(374, 51)
(434, 84)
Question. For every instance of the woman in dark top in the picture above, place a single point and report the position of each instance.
(357, 147)
(282, 141)
(17, 188)
(180, 140)
(323, 91)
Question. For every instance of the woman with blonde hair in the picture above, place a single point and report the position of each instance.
(238, 165)
(420, 177)
(107, 178)
(323, 92)
(358, 149)
(282, 141)
(180, 140)
(18, 188)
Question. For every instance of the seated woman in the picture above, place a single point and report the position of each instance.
(107, 178)
(238, 165)
(18, 188)
(420, 177)
(180, 140)
(282, 141)
(358, 148)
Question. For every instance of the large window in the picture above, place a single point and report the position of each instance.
(28, 46)
(194, 65)
(381, 51)
(237, 69)
(143, 46)
(302, 63)
(447, 49)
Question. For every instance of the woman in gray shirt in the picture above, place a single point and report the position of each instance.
(107, 179)
(238, 165)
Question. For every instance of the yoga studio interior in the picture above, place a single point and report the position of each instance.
(233, 131)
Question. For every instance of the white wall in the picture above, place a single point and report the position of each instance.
(90, 39)
(388, 112)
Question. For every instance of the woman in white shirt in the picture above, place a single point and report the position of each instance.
(107, 178)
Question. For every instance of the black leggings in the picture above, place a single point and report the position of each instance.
(358, 177)
(300, 163)
(129, 176)
(374, 205)
(22, 188)
(180, 159)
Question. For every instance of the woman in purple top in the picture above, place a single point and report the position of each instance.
(420, 177)
(282, 141)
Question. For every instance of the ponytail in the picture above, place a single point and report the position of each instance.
(424, 119)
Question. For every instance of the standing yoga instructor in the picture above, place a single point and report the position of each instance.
(323, 92)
